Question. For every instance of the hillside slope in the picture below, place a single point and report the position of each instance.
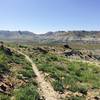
(51, 37)
(73, 74)
(18, 35)
(17, 78)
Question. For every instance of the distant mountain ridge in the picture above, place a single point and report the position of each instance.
(50, 37)
(16, 35)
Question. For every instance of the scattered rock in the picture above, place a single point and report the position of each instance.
(1, 45)
(97, 98)
(67, 46)
(1, 78)
(73, 53)
(8, 51)
(83, 91)
(97, 57)
(77, 94)
(42, 98)
(3, 87)
(42, 50)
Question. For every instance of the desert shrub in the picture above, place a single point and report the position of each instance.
(27, 73)
(58, 86)
(22, 46)
(4, 97)
(79, 88)
(18, 59)
(3, 69)
(96, 84)
(51, 58)
(28, 92)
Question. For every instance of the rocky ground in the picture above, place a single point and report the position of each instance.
(55, 61)
(58, 72)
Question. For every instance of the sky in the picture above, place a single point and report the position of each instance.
(41, 16)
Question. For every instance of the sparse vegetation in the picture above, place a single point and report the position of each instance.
(68, 75)
(63, 73)
(27, 92)
(4, 97)
(19, 78)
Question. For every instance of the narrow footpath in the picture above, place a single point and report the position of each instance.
(47, 90)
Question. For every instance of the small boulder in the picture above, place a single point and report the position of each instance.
(73, 53)
(1, 45)
(67, 46)
(97, 98)
(42, 50)
(8, 51)
(3, 87)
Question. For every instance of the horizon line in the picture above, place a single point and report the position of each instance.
(87, 30)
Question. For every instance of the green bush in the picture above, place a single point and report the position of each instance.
(28, 73)
(78, 88)
(3, 69)
(18, 60)
(4, 97)
(28, 92)
(52, 58)
(58, 86)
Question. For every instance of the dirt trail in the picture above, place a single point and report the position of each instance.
(47, 90)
